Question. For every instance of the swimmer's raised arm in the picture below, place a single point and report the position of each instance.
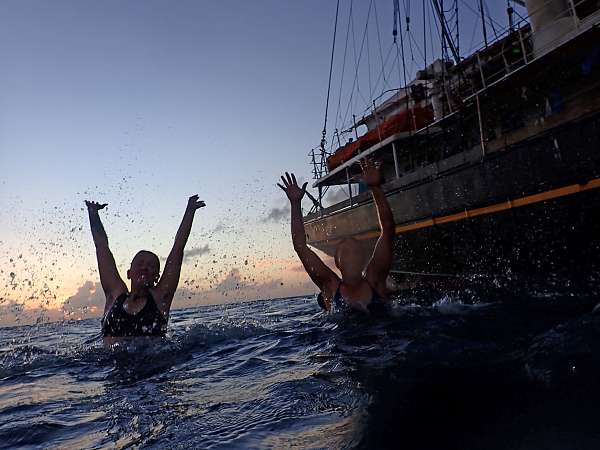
(111, 282)
(317, 270)
(381, 262)
(167, 285)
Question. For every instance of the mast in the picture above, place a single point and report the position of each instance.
(485, 39)
(324, 132)
(510, 11)
(445, 34)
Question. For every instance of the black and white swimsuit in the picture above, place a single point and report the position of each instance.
(149, 321)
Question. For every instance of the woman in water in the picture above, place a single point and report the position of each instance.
(362, 285)
(144, 309)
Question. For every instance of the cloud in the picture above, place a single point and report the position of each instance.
(15, 313)
(264, 278)
(89, 300)
(196, 252)
(236, 287)
(277, 214)
(231, 282)
(191, 253)
(220, 227)
(10, 312)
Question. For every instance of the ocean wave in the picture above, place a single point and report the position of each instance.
(451, 306)
(17, 359)
(269, 373)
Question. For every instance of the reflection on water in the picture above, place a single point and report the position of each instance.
(484, 375)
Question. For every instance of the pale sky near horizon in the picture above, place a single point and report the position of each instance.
(140, 104)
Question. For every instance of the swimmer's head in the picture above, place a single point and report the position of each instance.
(350, 258)
(144, 269)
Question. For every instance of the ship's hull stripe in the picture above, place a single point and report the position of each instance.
(498, 207)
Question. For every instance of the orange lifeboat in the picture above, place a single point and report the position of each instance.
(410, 120)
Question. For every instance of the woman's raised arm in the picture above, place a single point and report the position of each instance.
(381, 261)
(111, 281)
(169, 280)
(325, 279)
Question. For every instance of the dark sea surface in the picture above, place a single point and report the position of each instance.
(280, 374)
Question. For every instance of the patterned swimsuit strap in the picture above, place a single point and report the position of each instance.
(149, 299)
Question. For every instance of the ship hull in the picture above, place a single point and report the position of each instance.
(529, 209)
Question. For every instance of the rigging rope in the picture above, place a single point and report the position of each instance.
(380, 49)
(357, 63)
(369, 69)
(447, 39)
(445, 31)
(487, 10)
(365, 41)
(408, 32)
(482, 11)
(324, 132)
(457, 27)
(430, 14)
(424, 35)
(490, 20)
(413, 40)
(396, 16)
(403, 59)
(337, 114)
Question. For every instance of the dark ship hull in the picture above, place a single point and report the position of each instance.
(532, 208)
(523, 201)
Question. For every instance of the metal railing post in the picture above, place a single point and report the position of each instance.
(481, 71)
(320, 200)
(397, 169)
(349, 185)
(480, 126)
(574, 13)
(523, 47)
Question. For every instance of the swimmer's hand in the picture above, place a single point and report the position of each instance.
(95, 206)
(371, 172)
(291, 188)
(194, 204)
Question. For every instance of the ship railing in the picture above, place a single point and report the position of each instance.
(491, 64)
(503, 59)
(318, 160)
(522, 31)
(500, 76)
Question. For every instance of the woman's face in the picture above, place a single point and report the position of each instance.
(144, 269)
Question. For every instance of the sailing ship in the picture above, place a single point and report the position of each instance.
(491, 160)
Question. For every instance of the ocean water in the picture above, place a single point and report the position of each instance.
(281, 374)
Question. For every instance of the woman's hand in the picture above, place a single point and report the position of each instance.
(194, 203)
(291, 188)
(371, 172)
(95, 206)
